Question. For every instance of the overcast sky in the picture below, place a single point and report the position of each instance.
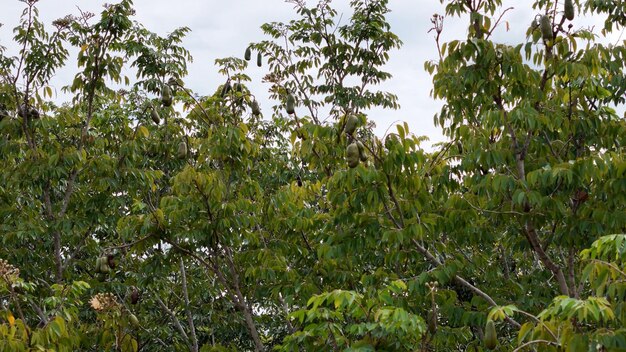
(224, 28)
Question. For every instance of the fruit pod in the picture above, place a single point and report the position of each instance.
(491, 339)
(132, 318)
(351, 123)
(248, 54)
(182, 150)
(256, 110)
(134, 296)
(111, 261)
(166, 96)
(290, 104)
(104, 265)
(546, 28)
(98, 265)
(225, 88)
(352, 155)
(569, 9)
(362, 154)
(154, 115)
(259, 60)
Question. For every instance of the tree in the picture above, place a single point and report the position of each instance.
(141, 215)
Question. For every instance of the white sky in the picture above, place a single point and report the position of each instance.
(224, 28)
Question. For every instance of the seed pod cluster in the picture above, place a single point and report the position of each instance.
(104, 302)
(102, 265)
(8, 272)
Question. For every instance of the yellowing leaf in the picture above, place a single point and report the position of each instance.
(143, 131)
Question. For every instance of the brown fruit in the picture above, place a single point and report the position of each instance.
(134, 296)
(111, 261)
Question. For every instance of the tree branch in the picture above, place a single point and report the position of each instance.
(192, 328)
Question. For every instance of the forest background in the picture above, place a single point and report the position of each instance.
(145, 212)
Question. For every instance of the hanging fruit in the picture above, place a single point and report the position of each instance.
(546, 28)
(351, 122)
(569, 9)
(256, 110)
(154, 115)
(352, 155)
(166, 95)
(182, 150)
(491, 339)
(290, 104)
(226, 88)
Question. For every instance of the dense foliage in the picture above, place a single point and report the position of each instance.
(141, 215)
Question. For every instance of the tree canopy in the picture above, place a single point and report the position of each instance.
(143, 216)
